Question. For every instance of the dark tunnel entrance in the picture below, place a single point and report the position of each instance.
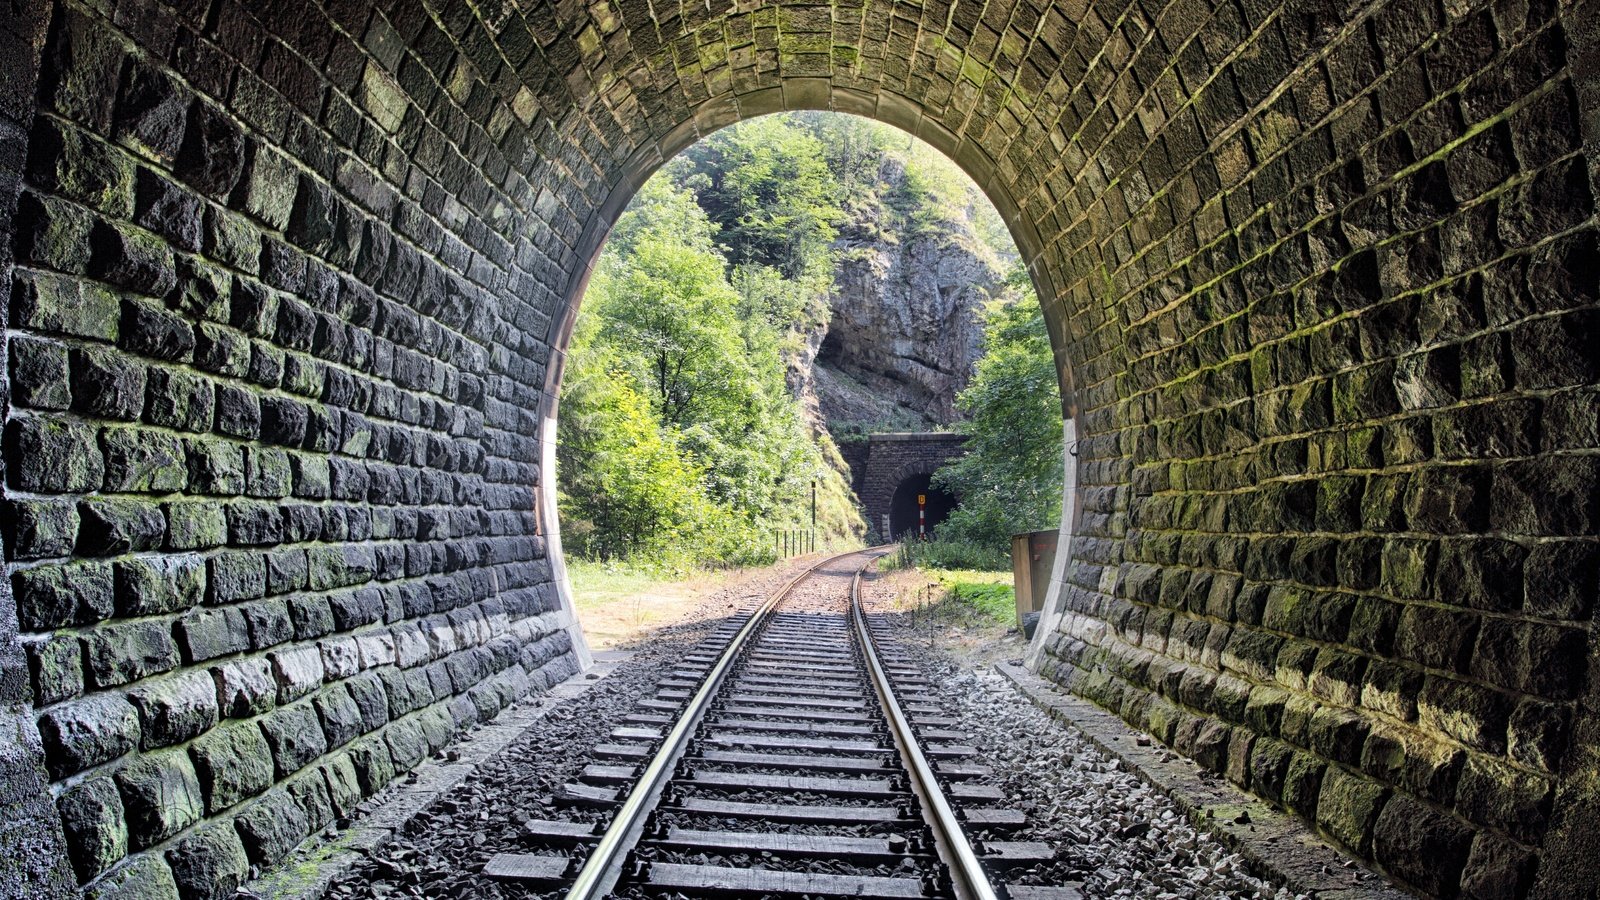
(903, 510)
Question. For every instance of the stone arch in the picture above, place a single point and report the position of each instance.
(1322, 273)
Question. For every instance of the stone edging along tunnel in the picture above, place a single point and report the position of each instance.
(292, 279)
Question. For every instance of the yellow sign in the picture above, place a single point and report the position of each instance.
(922, 499)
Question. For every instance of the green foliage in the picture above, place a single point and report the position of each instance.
(1010, 479)
(767, 184)
(680, 442)
(952, 554)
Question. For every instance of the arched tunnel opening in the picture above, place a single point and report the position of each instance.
(289, 286)
(918, 507)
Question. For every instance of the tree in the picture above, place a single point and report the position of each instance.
(767, 184)
(1010, 479)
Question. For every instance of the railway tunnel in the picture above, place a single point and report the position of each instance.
(288, 285)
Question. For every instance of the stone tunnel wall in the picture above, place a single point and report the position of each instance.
(890, 459)
(271, 451)
(293, 278)
(1340, 488)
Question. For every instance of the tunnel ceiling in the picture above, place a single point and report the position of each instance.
(291, 284)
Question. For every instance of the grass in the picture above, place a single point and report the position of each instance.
(616, 602)
(949, 555)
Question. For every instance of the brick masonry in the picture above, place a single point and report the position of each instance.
(879, 464)
(292, 280)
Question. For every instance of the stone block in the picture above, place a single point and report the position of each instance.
(1539, 733)
(238, 413)
(271, 827)
(130, 258)
(368, 693)
(373, 764)
(1483, 573)
(160, 796)
(298, 670)
(1473, 715)
(237, 575)
(1448, 500)
(173, 710)
(55, 665)
(267, 472)
(1508, 799)
(253, 523)
(149, 330)
(195, 525)
(39, 529)
(167, 210)
(1436, 637)
(117, 653)
(1561, 579)
(1421, 845)
(54, 234)
(1548, 496)
(107, 527)
(245, 687)
(1497, 869)
(83, 733)
(204, 634)
(39, 376)
(340, 718)
(65, 161)
(210, 863)
(1337, 734)
(146, 877)
(204, 295)
(178, 400)
(211, 158)
(52, 456)
(312, 478)
(51, 596)
(310, 793)
(151, 585)
(344, 788)
(141, 461)
(1347, 808)
(268, 187)
(233, 763)
(149, 115)
(295, 737)
(94, 822)
(221, 350)
(408, 746)
(268, 622)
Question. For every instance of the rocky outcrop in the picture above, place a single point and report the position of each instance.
(906, 324)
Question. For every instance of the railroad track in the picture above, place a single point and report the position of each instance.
(795, 753)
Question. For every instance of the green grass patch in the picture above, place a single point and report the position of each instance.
(949, 556)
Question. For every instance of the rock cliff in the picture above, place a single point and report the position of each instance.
(906, 315)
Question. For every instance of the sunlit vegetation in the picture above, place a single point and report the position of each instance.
(682, 442)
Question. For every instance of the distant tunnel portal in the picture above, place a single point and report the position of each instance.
(903, 509)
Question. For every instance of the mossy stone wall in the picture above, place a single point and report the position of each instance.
(293, 280)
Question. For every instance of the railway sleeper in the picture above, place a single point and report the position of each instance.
(722, 881)
(793, 812)
(742, 724)
(795, 761)
(780, 712)
(890, 848)
(844, 787)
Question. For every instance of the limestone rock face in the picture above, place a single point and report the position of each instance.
(906, 318)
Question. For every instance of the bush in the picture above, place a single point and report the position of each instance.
(949, 555)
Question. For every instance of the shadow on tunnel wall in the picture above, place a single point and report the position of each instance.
(292, 281)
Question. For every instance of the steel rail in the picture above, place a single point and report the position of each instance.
(604, 865)
(966, 873)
